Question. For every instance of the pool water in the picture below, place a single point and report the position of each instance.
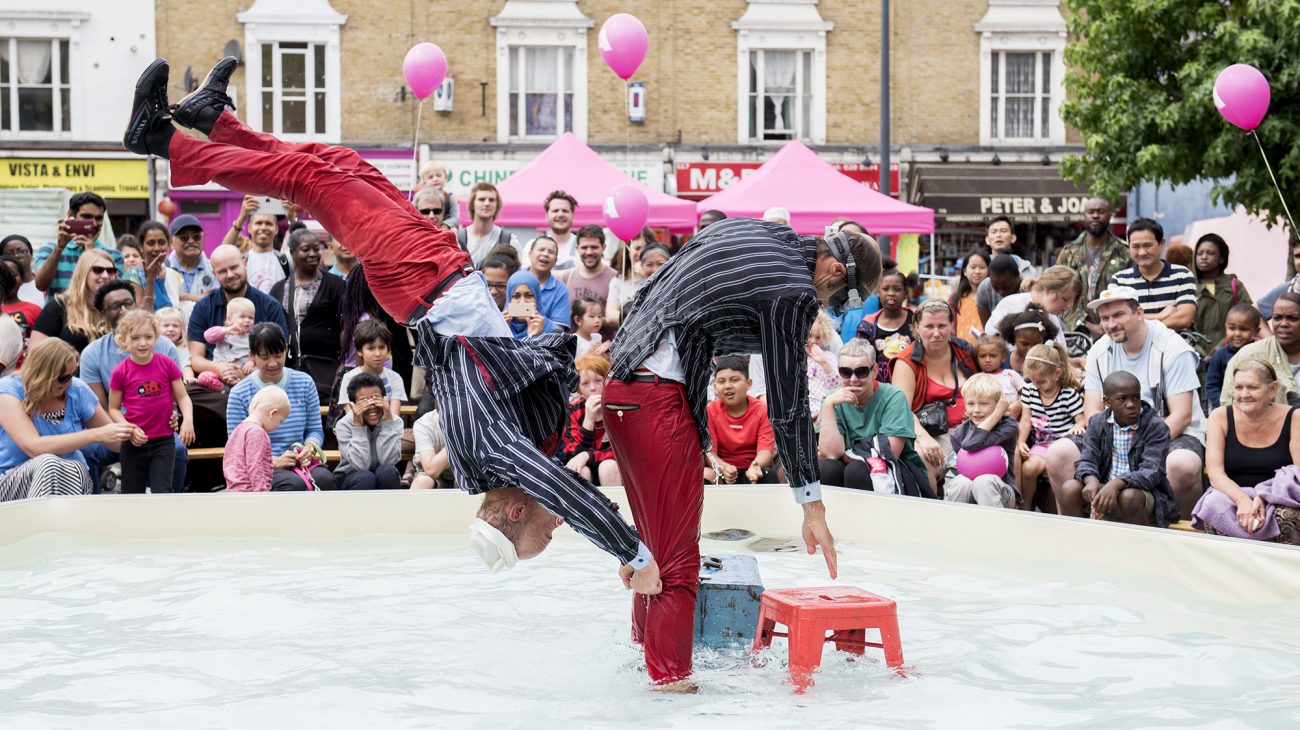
(403, 632)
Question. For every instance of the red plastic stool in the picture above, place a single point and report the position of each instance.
(808, 613)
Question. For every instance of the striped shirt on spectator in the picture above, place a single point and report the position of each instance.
(741, 287)
(1058, 417)
(1174, 285)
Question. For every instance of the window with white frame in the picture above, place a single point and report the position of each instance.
(541, 91)
(1020, 105)
(1022, 70)
(780, 94)
(294, 88)
(781, 72)
(35, 93)
(293, 69)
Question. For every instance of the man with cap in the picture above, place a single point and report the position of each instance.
(741, 287)
(187, 259)
(55, 262)
(503, 402)
(1165, 365)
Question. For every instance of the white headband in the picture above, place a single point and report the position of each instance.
(490, 544)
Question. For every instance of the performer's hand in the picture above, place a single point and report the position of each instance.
(646, 580)
(817, 533)
(625, 572)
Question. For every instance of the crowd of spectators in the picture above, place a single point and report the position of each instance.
(273, 346)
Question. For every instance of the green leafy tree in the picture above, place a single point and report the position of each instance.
(1141, 85)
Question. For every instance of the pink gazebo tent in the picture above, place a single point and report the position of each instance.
(572, 166)
(816, 194)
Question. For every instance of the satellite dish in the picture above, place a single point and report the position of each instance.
(232, 49)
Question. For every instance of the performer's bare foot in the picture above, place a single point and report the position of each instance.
(203, 106)
(680, 687)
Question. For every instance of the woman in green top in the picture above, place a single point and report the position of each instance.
(1216, 292)
(862, 409)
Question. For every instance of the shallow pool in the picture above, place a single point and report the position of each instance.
(410, 632)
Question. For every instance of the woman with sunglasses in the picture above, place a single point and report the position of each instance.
(862, 409)
(47, 416)
(71, 316)
(930, 372)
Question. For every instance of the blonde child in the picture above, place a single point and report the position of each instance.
(991, 357)
(147, 388)
(823, 375)
(247, 461)
(433, 175)
(230, 340)
(986, 424)
(1053, 409)
(588, 316)
(171, 327)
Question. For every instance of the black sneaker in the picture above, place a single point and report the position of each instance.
(149, 130)
(203, 106)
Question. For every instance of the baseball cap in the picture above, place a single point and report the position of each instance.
(1115, 294)
(184, 221)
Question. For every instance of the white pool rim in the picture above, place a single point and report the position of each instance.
(1230, 570)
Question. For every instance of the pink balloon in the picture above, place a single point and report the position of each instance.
(1241, 95)
(623, 42)
(989, 460)
(626, 211)
(424, 68)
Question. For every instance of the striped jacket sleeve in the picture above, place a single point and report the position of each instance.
(784, 334)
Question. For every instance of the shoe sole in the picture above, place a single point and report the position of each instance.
(180, 105)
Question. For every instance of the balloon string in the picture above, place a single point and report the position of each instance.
(1273, 177)
(415, 151)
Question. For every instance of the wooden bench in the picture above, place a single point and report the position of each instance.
(331, 457)
(406, 411)
(1183, 526)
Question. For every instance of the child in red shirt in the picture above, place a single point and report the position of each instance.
(743, 445)
(584, 447)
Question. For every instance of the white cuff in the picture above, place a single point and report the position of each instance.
(643, 557)
(810, 492)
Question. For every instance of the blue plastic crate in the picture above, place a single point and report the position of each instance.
(726, 610)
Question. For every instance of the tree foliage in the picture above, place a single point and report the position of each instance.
(1140, 84)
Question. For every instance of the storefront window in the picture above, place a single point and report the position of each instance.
(35, 95)
(541, 91)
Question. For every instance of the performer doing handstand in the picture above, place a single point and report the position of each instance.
(501, 400)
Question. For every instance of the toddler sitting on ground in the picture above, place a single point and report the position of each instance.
(987, 424)
(247, 460)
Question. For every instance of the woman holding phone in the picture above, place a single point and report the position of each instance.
(521, 306)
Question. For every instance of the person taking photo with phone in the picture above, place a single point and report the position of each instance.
(78, 233)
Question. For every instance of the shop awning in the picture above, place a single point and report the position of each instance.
(961, 193)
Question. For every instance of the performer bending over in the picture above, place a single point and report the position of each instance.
(502, 401)
(742, 286)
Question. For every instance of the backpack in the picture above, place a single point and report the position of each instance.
(462, 237)
(890, 474)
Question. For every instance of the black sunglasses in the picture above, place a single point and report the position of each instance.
(65, 378)
(104, 270)
(427, 211)
(862, 373)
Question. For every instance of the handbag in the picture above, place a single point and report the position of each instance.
(934, 416)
